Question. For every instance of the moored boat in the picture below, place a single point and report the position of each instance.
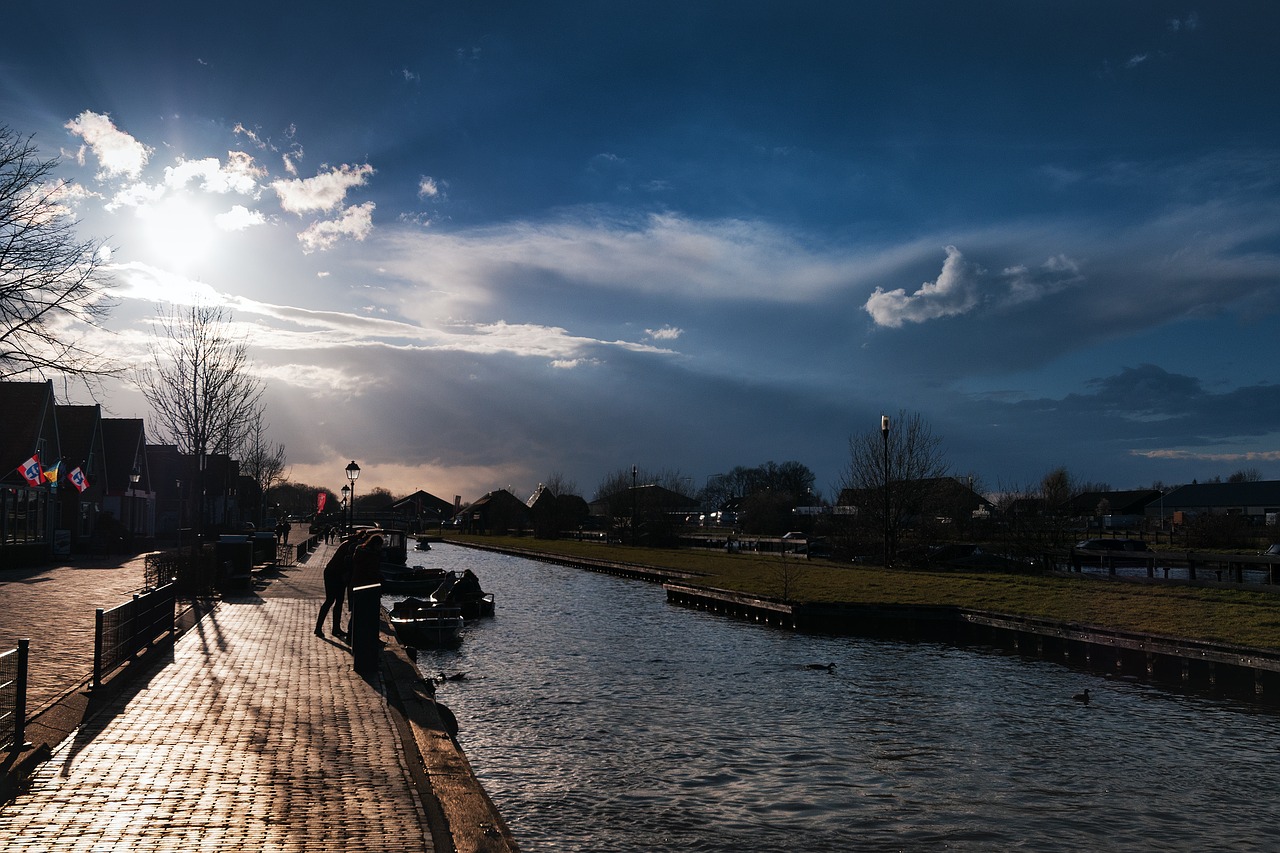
(397, 580)
(462, 590)
(425, 624)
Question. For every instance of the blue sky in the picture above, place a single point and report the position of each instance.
(474, 245)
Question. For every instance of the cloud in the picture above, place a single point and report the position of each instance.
(666, 333)
(239, 175)
(326, 191)
(427, 187)
(1198, 456)
(954, 292)
(355, 222)
(238, 218)
(118, 153)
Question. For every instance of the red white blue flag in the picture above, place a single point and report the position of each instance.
(78, 479)
(30, 470)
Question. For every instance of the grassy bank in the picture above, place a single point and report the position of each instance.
(1240, 617)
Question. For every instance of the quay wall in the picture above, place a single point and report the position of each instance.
(1241, 672)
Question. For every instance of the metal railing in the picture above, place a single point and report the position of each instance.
(194, 572)
(123, 631)
(13, 696)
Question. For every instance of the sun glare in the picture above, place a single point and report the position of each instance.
(179, 233)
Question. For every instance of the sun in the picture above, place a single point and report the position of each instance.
(179, 233)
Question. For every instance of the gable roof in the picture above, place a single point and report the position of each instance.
(124, 443)
(28, 417)
(1260, 493)
(423, 502)
(1130, 502)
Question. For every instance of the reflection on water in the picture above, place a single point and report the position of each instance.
(600, 718)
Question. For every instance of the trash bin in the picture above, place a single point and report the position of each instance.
(235, 561)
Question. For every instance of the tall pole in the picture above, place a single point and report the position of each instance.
(353, 472)
(884, 432)
(634, 472)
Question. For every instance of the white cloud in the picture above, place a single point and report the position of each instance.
(118, 153)
(427, 187)
(355, 222)
(954, 292)
(325, 191)
(240, 174)
(666, 333)
(239, 218)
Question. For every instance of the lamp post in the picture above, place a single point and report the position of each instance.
(353, 473)
(134, 476)
(346, 502)
(884, 432)
(634, 472)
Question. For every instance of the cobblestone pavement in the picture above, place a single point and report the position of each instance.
(255, 735)
(54, 608)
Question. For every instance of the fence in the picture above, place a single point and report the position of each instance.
(193, 572)
(123, 631)
(13, 696)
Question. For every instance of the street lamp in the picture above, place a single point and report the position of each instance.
(134, 476)
(884, 432)
(634, 473)
(353, 473)
(346, 502)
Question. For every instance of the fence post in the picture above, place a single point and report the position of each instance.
(97, 649)
(365, 601)
(20, 705)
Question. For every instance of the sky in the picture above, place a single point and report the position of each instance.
(475, 246)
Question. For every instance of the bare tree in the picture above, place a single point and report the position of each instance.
(558, 484)
(261, 460)
(49, 279)
(200, 387)
(907, 459)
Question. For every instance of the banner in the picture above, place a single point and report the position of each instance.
(320, 499)
(78, 479)
(30, 470)
(52, 474)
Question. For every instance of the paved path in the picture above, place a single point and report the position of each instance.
(255, 735)
(54, 608)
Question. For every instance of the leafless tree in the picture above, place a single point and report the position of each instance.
(261, 460)
(200, 385)
(910, 459)
(50, 280)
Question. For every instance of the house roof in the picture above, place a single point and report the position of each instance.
(425, 501)
(78, 432)
(123, 442)
(1260, 493)
(1131, 502)
(28, 410)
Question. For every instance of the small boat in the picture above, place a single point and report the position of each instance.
(424, 624)
(462, 590)
(397, 580)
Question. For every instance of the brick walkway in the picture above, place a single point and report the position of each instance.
(255, 735)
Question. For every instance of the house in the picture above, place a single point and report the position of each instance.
(127, 492)
(28, 511)
(80, 433)
(1254, 501)
(553, 514)
(422, 509)
(942, 499)
(497, 512)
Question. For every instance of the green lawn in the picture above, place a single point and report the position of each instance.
(1222, 615)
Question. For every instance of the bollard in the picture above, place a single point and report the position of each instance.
(365, 606)
(20, 706)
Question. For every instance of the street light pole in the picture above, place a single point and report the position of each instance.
(634, 472)
(884, 432)
(353, 472)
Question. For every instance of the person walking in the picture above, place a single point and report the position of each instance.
(337, 577)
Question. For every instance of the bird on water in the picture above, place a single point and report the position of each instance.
(1082, 697)
(829, 667)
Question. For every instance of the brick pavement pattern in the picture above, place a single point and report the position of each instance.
(256, 735)
(54, 607)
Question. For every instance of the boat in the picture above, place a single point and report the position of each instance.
(397, 580)
(462, 590)
(425, 624)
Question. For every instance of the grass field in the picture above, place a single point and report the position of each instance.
(1241, 617)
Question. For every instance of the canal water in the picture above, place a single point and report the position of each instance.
(600, 718)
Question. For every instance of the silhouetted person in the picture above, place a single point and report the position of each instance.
(337, 577)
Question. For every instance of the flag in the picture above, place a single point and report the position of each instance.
(30, 470)
(320, 499)
(78, 479)
(51, 474)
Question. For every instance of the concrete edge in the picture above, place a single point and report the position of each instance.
(458, 809)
